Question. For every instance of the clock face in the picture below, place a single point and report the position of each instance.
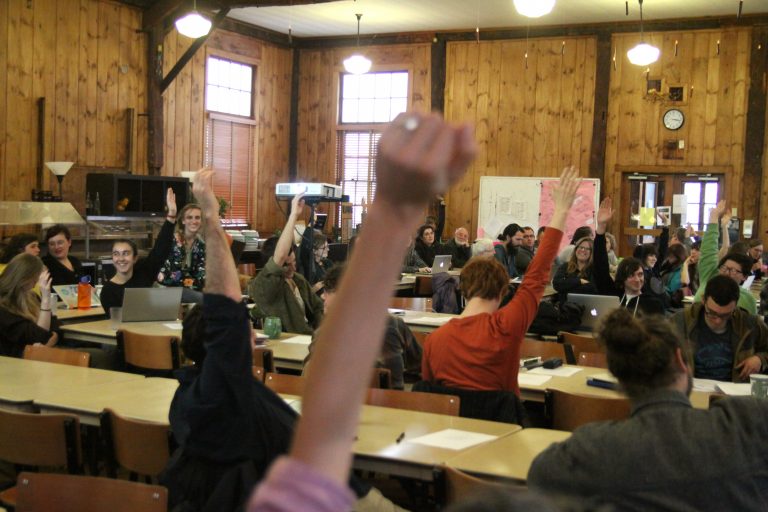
(673, 119)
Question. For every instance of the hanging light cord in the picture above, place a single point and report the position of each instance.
(358, 28)
(642, 37)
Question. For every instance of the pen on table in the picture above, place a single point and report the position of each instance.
(400, 437)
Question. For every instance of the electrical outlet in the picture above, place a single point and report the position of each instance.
(681, 144)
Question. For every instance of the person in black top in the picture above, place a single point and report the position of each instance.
(229, 426)
(630, 275)
(64, 269)
(132, 272)
(426, 244)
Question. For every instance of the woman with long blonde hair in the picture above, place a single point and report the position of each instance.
(25, 317)
(575, 275)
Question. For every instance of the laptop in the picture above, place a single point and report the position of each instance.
(595, 307)
(151, 304)
(442, 263)
(68, 295)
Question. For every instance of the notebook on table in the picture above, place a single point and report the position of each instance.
(151, 304)
(595, 307)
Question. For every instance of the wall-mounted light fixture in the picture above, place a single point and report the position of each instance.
(357, 64)
(644, 53)
(193, 24)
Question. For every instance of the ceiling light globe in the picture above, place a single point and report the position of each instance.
(534, 8)
(643, 54)
(193, 25)
(357, 64)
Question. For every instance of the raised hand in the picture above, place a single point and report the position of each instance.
(202, 187)
(605, 211)
(44, 283)
(716, 212)
(170, 202)
(565, 191)
(297, 205)
(420, 155)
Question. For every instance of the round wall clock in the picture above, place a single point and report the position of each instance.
(673, 119)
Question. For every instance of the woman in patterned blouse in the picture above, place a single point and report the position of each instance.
(185, 265)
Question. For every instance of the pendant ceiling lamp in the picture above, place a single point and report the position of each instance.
(644, 53)
(357, 64)
(193, 24)
(534, 8)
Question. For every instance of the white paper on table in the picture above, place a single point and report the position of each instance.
(563, 371)
(428, 320)
(729, 388)
(175, 326)
(526, 379)
(706, 385)
(452, 439)
(304, 339)
(395, 311)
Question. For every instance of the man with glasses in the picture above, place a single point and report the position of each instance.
(526, 250)
(727, 343)
(734, 265)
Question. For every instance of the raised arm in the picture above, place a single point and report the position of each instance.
(708, 258)
(283, 247)
(600, 267)
(221, 274)
(44, 283)
(419, 155)
(162, 246)
(726, 245)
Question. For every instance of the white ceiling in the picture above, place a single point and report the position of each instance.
(393, 16)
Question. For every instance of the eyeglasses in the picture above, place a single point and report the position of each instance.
(718, 316)
(584, 249)
(725, 269)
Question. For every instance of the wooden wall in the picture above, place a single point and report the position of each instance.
(715, 109)
(319, 72)
(86, 58)
(530, 121)
(185, 118)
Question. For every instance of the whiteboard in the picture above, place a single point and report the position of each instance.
(527, 201)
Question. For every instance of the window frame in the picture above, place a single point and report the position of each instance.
(368, 127)
(238, 59)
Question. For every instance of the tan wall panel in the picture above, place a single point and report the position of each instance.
(540, 121)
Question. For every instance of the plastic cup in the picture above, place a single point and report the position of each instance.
(759, 385)
(115, 318)
(273, 327)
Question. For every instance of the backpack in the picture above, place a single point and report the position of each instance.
(552, 318)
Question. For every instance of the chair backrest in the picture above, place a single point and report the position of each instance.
(263, 357)
(502, 406)
(258, 373)
(41, 440)
(381, 378)
(545, 349)
(411, 303)
(138, 446)
(595, 359)
(453, 485)
(414, 401)
(63, 493)
(285, 384)
(149, 352)
(57, 355)
(576, 344)
(423, 286)
(569, 411)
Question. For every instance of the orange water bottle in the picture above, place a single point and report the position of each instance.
(84, 293)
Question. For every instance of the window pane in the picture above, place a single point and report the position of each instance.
(381, 97)
(366, 110)
(692, 192)
(350, 86)
(229, 87)
(710, 192)
(400, 84)
(692, 213)
(349, 112)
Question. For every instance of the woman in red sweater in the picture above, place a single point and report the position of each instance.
(481, 349)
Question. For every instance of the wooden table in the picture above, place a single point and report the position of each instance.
(101, 331)
(577, 383)
(508, 457)
(22, 381)
(66, 315)
(377, 449)
(286, 355)
(415, 320)
(142, 399)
